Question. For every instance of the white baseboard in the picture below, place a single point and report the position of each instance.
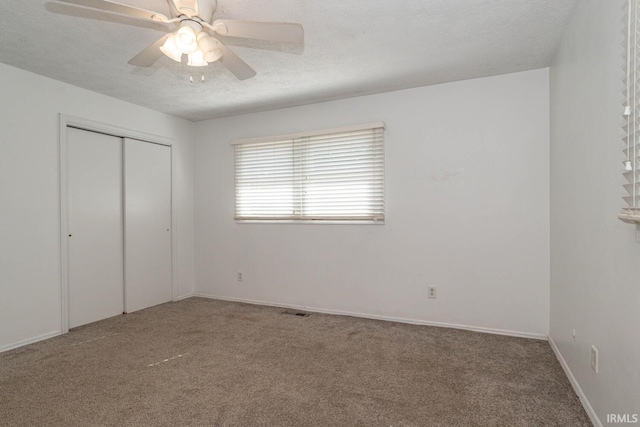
(180, 298)
(379, 317)
(576, 387)
(8, 347)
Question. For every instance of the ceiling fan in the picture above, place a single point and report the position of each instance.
(195, 33)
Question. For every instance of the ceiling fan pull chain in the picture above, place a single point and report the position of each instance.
(201, 78)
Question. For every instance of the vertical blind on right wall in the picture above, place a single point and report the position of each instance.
(631, 213)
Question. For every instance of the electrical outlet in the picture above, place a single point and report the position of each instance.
(239, 276)
(432, 292)
(594, 359)
(574, 334)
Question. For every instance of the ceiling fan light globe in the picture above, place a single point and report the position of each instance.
(196, 59)
(213, 55)
(210, 47)
(170, 48)
(186, 40)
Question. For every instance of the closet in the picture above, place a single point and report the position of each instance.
(118, 225)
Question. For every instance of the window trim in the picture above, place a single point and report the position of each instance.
(311, 133)
(292, 136)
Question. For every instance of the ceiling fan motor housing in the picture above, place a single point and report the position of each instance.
(201, 8)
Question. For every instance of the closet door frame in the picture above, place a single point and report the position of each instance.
(66, 121)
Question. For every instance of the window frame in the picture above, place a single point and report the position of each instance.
(298, 136)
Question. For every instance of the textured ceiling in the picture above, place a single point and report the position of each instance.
(351, 48)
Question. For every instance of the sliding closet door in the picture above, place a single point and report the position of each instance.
(95, 224)
(147, 224)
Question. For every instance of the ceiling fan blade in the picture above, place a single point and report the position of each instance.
(272, 31)
(237, 66)
(113, 7)
(148, 56)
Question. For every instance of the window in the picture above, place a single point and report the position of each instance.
(334, 175)
(632, 119)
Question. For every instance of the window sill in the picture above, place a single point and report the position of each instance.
(309, 221)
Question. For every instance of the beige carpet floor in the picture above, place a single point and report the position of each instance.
(202, 362)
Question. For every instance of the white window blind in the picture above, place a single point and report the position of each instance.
(631, 213)
(335, 175)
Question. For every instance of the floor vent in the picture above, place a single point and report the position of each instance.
(296, 313)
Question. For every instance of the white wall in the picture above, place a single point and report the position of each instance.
(467, 207)
(30, 304)
(595, 259)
